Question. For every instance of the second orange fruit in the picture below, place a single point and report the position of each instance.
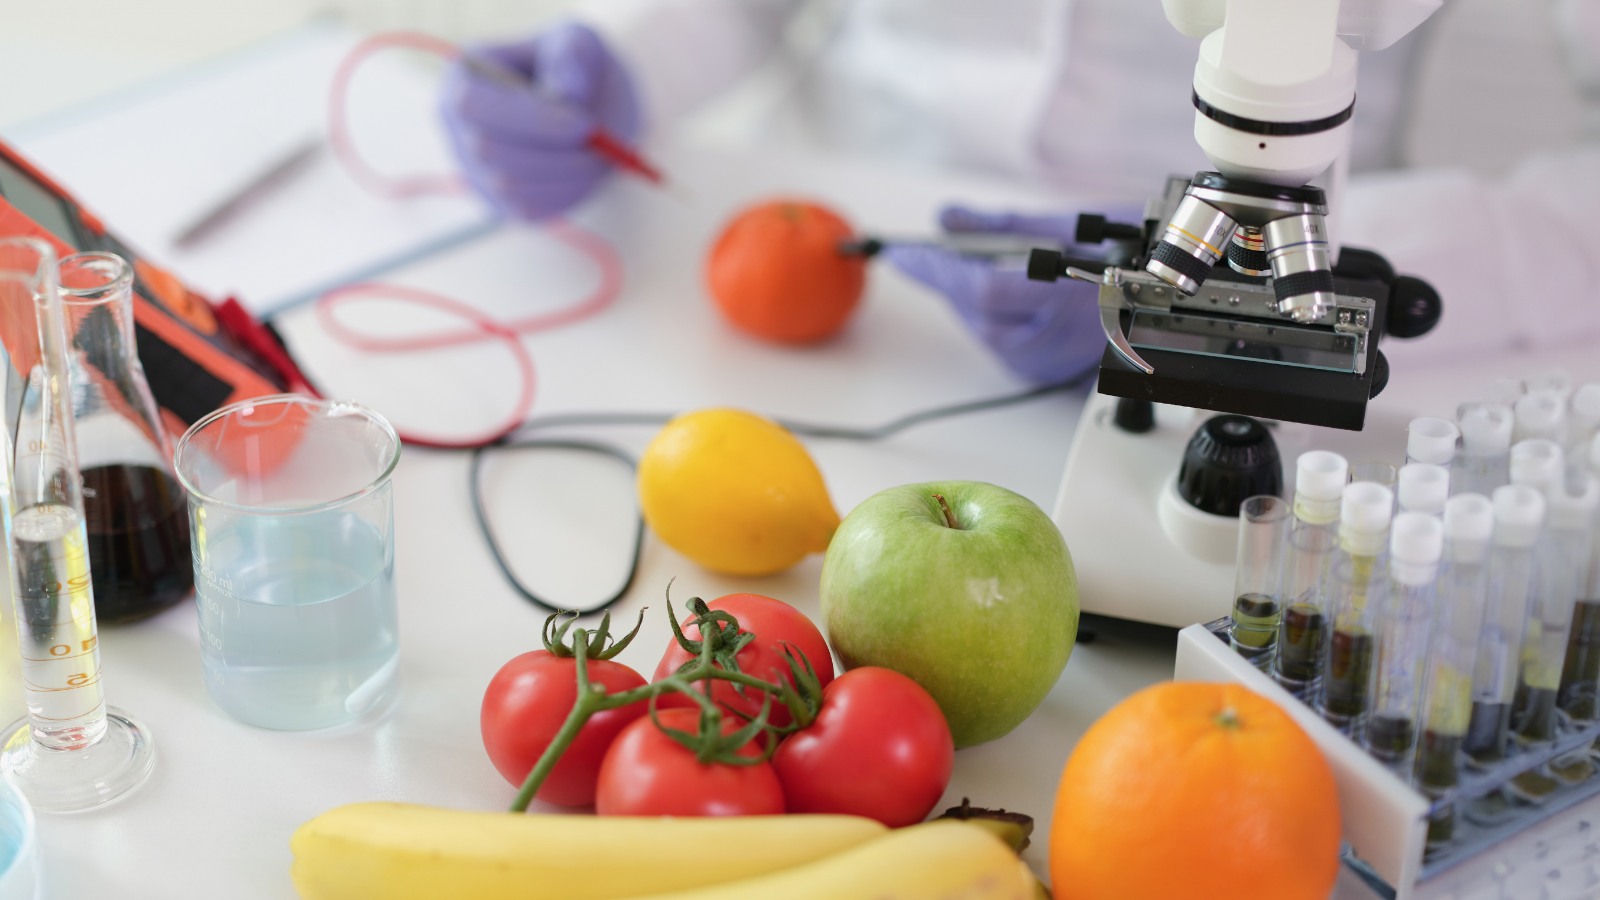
(776, 272)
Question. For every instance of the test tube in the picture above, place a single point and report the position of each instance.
(1480, 464)
(1313, 540)
(1518, 518)
(1579, 695)
(1555, 382)
(1430, 439)
(1376, 471)
(1537, 463)
(1563, 560)
(1258, 577)
(1452, 654)
(1423, 488)
(1401, 626)
(1358, 584)
(1542, 415)
(1583, 420)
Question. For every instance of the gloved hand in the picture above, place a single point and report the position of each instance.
(524, 148)
(1044, 332)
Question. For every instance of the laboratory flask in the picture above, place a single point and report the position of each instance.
(290, 505)
(134, 509)
(71, 751)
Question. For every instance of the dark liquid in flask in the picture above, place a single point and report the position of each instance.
(137, 520)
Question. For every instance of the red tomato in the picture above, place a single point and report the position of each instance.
(879, 747)
(775, 624)
(647, 773)
(526, 704)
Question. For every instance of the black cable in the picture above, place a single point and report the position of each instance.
(513, 442)
(494, 545)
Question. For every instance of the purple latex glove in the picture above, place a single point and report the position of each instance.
(1044, 332)
(525, 148)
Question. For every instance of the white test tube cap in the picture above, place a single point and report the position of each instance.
(1554, 382)
(1485, 429)
(1537, 462)
(1541, 415)
(1586, 405)
(1423, 488)
(1416, 541)
(1571, 501)
(1469, 518)
(1430, 439)
(1320, 475)
(1518, 515)
(1365, 511)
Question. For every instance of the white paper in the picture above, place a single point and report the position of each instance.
(160, 158)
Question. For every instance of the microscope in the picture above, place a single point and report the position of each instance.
(1234, 296)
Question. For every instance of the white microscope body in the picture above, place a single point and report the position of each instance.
(1274, 91)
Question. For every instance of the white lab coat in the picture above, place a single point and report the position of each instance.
(1093, 97)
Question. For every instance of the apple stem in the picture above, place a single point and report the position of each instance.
(949, 516)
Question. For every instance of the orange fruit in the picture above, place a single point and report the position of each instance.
(776, 272)
(1195, 790)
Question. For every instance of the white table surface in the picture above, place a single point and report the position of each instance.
(216, 816)
(217, 813)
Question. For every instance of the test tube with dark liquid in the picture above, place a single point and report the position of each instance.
(1258, 577)
(1313, 539)
(1452, 653)
(1518, 518)
(1358, 586)
(1403, 624)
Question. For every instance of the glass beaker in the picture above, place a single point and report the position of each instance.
(291, 512)
(134, 510)
(71, 752)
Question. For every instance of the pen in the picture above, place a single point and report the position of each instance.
(602, 142)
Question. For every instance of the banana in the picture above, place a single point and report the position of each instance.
(399, 851)
(938, 860)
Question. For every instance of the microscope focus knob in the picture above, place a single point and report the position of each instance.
(1414, 307)
(1228, 459)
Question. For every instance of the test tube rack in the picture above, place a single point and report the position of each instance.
(1550, 849)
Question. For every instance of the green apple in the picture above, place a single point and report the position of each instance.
(964, 586)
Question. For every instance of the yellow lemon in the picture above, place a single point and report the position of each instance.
(735, 492)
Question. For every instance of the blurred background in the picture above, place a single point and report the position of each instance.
(69, 52)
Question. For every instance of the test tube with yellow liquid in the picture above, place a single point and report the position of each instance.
(1459, 605)
(70, 752)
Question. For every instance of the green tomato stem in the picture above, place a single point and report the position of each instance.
(593, 698)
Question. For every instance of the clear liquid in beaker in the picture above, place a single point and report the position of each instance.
(297, 619)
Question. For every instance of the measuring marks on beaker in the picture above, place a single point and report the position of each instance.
(60, 647)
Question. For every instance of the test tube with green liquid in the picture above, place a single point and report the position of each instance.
(1258, 577)
(1462, 594)
(1358, 584)
(1313, 541)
